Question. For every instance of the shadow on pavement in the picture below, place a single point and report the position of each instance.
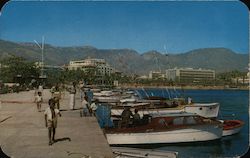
(62, 139)
(2, 154)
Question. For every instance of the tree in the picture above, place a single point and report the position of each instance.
(13, 67)
(226, 77)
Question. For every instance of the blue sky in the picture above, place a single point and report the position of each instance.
(143, 26)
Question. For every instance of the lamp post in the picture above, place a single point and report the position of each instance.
(42, 48)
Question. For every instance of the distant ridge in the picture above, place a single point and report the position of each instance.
(129, 60)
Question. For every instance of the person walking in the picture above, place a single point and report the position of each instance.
(52, 91)
(81, 88)
(51, 115)
(40, 88)
(85, 108)
(57, 97)
(38, 101)
(72, 92)
(93, 107)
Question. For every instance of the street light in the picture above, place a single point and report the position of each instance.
(42, 48)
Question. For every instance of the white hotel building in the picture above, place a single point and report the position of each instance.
(102, 67)
(190, 75)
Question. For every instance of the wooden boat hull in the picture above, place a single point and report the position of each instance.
(231, 127)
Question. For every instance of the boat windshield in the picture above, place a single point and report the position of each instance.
(188, 120)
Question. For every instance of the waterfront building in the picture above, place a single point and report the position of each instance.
(142, 77)
(100, 66)
(48, 67)
(190, 75)
(3, 66)
(156, 75)
(39, 64)
(242, 80)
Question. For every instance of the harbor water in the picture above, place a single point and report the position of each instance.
(234, 104)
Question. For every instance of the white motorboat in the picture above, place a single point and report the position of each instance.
(231, 127)
(104, 93)
(209, 110)
(106, 96)
(107, 99)
(110, 96)
(154, 104)
(174, 128)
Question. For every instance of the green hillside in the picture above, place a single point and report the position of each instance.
(130, 61)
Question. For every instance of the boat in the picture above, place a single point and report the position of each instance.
(106, 96)
(107, 99)
(231, 127)
(104, 93)
(124, 152)
(162, 105)
(173, 128)
(179, 104)
(154, 104)
(110, 96)
(209, 110)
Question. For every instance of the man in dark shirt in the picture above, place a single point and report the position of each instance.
(126, 117)
(136, 118)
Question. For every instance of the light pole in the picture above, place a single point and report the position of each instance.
(41, 47)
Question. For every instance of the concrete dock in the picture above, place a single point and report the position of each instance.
(23, 133)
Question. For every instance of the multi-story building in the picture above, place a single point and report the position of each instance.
(242, 79)
(155, 75)
(190, 75)
(39, 64)
(100, 66)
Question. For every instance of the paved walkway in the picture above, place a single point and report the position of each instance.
(23, 133)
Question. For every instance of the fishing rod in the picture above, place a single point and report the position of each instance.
(176, 92)
(163, 95)
(145, 92)
(169, 97)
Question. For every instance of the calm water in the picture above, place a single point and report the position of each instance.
(234, 105)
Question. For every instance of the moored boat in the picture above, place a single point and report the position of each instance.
(231, 127)
(110, 96)
(154, 104)
(209, 110)
(107, 99)
(181, 104)
(174, 128)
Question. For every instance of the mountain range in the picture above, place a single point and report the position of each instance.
(129, 60)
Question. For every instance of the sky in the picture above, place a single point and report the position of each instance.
(165, 26)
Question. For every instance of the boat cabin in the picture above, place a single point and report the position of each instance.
(170, 121)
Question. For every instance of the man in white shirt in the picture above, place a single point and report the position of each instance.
(190, 101)
(38, 101)
(40, 88)
(81, 87)
(93, 107)
(85, 107)
(72, 92)
(51, 115)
